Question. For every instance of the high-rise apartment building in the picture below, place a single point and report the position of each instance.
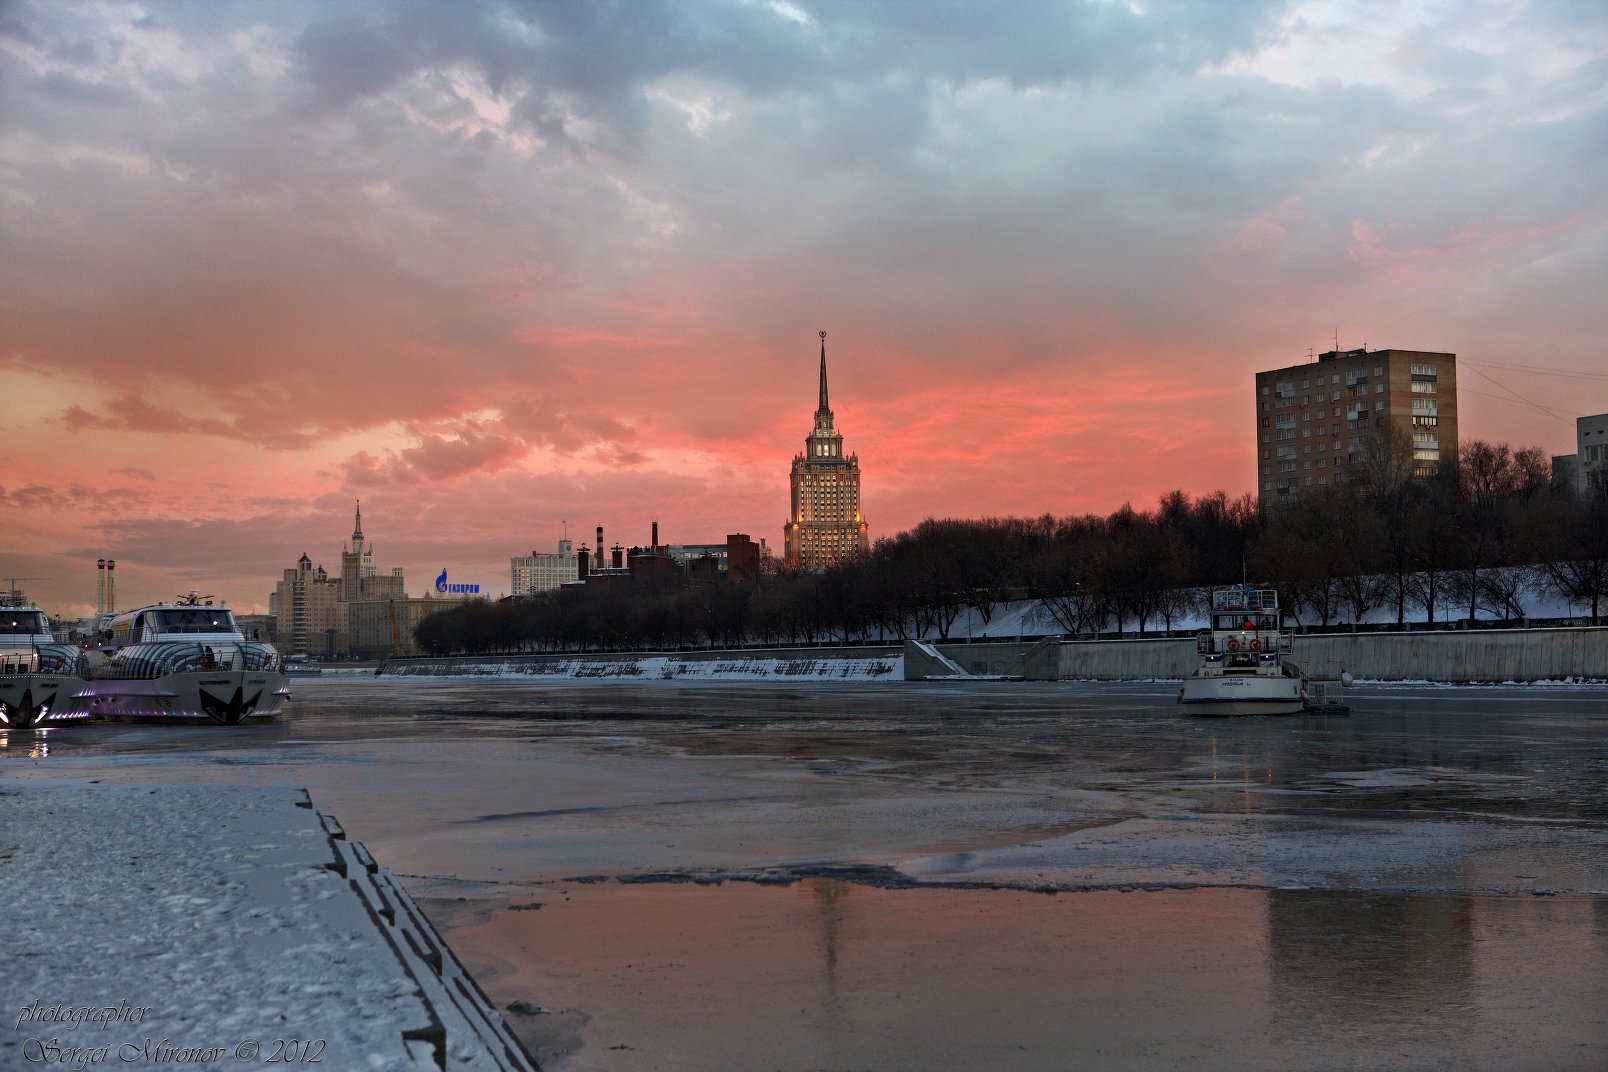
(1326, 421)
(825, 527)
(309, 617)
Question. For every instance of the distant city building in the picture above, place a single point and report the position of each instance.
(735, 561)
(1320, 422)
(359, 578)
(309, 618)
(543, 573)
(1591, 444)
(379, 628)
(825, 526)
(312, 610)
(1566, 474)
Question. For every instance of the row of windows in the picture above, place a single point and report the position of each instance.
(1334, 396)
(1355, 444)
(1286, 486)
(1289, 466)
(1286, 388)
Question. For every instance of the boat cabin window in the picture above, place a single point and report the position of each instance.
(22, 623)
(1249, 622)
(194, 620)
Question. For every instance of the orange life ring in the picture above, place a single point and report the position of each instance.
(1233, 645)
(1256, 643)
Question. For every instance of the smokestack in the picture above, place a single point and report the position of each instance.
(100, 586)
(600, 547)
(619, 556)
(655, 547)
(111, 586)
(583, 563)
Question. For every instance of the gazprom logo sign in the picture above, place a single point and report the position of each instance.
(454, 589)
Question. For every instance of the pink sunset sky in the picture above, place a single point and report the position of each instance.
(491, 266)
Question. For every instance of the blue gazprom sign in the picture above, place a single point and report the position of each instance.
(454, 589)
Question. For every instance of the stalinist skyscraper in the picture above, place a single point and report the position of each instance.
(825, 527)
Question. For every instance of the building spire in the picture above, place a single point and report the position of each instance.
(823, 407)
(357, 528)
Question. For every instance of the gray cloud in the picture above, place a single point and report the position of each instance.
(606, 230)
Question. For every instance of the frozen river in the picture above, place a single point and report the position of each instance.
(970, 876)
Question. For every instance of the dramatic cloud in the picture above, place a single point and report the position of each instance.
(495, 265)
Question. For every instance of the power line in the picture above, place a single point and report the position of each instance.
(1538, 368)
(1554, 414)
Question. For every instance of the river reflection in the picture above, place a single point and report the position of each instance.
(1418, 886)
(826, 974)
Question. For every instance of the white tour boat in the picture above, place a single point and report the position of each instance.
(39, 679)
(182, 660)
(1245, 666)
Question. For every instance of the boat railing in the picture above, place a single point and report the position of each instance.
(1259, 643)
(1245, 599)
(19, 662)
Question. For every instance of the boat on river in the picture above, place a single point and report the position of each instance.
(182, 660)
(1245, 665)
(39, 678)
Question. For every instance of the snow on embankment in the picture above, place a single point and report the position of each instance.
(153, 926)
(881, 666)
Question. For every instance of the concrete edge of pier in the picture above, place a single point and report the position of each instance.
(154, 924)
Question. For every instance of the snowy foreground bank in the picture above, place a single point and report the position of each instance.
(148, 926)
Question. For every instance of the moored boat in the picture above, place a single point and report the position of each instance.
(1245, 665)
(39, 678)
(182, 660)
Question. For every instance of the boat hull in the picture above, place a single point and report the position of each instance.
(228, 697)
(1225, 695)
(30, 700)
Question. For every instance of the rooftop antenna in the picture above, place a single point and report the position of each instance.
(1337, 338)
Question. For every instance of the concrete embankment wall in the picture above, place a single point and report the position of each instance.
(1445, 656)
(1451, 656)
(1477, 655)
(867, 663)
(1038, 660)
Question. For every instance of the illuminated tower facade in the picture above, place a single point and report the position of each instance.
(825, 527)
